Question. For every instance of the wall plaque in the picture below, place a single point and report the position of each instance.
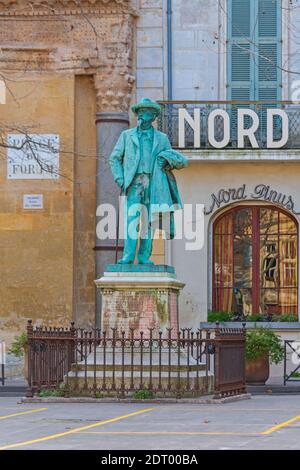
(33, 156)
(33, 201)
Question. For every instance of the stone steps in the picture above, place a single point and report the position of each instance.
(123, 370)
(137, 368)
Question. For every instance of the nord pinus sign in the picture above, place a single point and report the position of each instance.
(243, 130)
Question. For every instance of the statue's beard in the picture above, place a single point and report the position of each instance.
(143, 124)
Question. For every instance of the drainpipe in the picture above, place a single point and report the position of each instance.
(168, 244)
(170, 50)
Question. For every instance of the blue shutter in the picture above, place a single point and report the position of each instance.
(254, 49)
(239, 17)
(239, 65)
(268, 75)
(254, 53)
(239, 50)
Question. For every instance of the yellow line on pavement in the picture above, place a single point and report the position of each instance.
(280, 425)
(22, 413)
(166, 433)
(75, 430)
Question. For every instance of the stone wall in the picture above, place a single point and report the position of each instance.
(36, 246)
(63, 61)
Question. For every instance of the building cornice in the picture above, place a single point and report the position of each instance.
(242, 156)
(98, 44)
(64, 7)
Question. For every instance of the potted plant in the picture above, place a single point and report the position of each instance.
(19, 348)
(263, 347)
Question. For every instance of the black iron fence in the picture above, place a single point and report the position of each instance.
(94, 363)
(168, 122)
(2, 362)
(291, 361)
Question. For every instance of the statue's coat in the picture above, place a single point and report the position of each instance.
(124, 162)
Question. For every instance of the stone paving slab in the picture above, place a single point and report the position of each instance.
(264, 422)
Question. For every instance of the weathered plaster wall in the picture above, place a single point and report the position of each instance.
(195, 49)
(47, 257)
(199, 49)
(291, 56)
(195, 56)
(150, 50)
(36, 246)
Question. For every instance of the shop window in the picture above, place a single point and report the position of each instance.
(255, 262)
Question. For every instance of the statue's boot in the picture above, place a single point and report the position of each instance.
(145, 250)
(144, 260)
(125, 260)
(129, 251)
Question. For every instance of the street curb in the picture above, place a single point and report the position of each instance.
(198, 401)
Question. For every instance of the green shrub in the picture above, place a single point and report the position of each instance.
(143, 394)
(219, 316)
(52, 393)
(19, 345)
(261, 342)
(287, 317)
(295, 374)
(255, 317)
(99, 395)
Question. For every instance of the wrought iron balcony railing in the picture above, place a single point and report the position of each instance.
(168, 122)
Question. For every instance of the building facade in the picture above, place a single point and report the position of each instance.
(72, 70)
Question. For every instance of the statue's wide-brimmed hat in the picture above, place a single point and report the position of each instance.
(146, 103)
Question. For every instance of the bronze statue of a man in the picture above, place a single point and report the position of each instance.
(142, 163)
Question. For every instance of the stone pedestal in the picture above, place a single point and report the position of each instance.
(139, 297)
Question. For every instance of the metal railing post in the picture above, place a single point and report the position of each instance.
(29, 392)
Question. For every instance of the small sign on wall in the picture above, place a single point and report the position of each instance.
(33, 201)
(33, 156)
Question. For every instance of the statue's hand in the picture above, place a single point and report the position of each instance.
(161, 162)
(120, 181)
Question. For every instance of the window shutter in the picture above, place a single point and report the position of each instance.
(268, 73)
(269, 48)
(239, 50)
(254, 54)
(240, 67)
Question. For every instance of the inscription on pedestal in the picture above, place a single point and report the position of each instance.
(139, 301)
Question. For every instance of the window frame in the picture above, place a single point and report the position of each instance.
(256, 287)
(255, 41)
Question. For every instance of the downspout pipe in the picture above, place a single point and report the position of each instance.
(168, 245)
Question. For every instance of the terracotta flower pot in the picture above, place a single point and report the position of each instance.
(258, 371)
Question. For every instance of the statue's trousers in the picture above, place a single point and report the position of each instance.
(137, 216)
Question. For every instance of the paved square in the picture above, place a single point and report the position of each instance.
(264, 422)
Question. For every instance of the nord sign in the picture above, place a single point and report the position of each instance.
(242, 130)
